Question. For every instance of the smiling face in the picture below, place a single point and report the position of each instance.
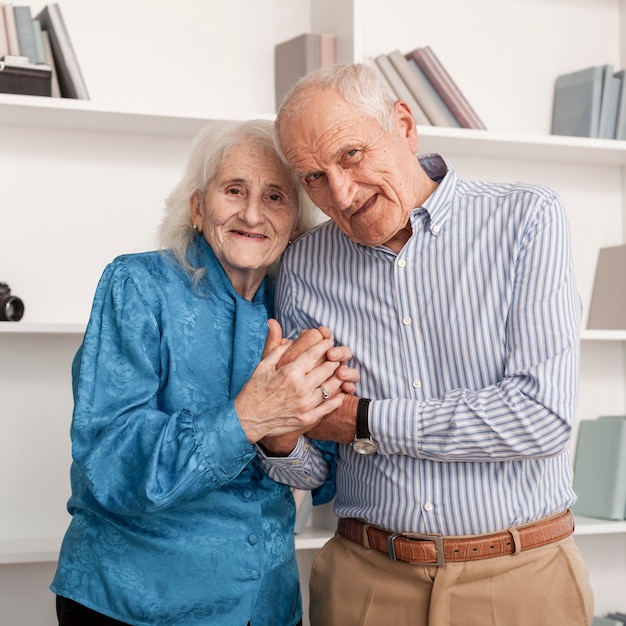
(363, 177)
(247, 215)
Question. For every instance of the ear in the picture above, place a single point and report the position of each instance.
(406, 124)
(195, 203)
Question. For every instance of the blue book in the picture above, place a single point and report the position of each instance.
(25, 33)
(577, 103)
(611, 87)
(600, 468)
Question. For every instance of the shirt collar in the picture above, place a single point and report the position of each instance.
(215, 282)
(439, 203)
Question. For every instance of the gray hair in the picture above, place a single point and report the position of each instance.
(357, 84)
(210, 147)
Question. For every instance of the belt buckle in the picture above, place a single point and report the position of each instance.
(436, 539)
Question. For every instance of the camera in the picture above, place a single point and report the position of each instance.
(11, 307)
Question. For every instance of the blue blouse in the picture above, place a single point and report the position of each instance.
(173, 520)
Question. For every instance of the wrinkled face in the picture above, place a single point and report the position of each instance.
(357, 173)
(247, 214)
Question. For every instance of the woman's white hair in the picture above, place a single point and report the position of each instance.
(210, 147)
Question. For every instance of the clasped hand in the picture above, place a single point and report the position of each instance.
(296, 384)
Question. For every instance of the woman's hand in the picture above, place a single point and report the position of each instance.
(285, 395)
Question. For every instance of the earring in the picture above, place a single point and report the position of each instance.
(195, 227)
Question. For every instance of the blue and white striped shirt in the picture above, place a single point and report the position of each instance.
(467, 343)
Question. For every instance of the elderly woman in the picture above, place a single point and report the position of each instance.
(173, 519)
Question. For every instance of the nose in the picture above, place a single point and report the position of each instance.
(252, 212)
(342, 188)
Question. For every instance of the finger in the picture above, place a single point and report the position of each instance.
(308, 337)
(274, 336)
(325, 332)
(339, 353)
(348, 374)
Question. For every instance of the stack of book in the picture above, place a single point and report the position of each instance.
(421, 80)
(36, 54)
(600, 468)
(590, 103)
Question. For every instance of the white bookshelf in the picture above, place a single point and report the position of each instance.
(84, 181)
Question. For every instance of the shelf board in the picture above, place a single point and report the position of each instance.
(31, 550)
(313, 538)
(41, 328)
(46, 549)
(596, 526)
(87, 115)
(603, 335)
(482, 143)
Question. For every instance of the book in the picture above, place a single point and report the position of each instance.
(55, 90)
(444, 85)
(620, 122)
(399, 88)
(41, 54)
(605, 621)
(608, 107)
(24, 78)
(298, 56)
(71, 81)
(608, 300)
(577, 102)
(4, 43)
(418, 114)
(600, 468)
(11, 29)
(422, 90)
(25, 32)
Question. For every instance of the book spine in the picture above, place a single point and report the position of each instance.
(400, 89)
(25, 32)
(9, 22)
(70, 77)
(441, 80)
(432, 104)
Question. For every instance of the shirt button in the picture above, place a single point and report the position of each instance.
(428, 506)
(435, 229)
(401, 263)
(247, 493)
(252, 539)
(255, 574)
(417, 383)
(406, 321)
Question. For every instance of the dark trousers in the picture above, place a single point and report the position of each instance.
(71, 613)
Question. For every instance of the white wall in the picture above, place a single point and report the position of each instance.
(194, 56)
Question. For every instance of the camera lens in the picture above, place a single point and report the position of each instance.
(11, 308)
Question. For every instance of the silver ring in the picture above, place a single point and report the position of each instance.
(324, 393)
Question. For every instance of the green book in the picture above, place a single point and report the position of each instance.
(600, 468)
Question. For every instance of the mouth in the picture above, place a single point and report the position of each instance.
(368, 204)
(242, 233)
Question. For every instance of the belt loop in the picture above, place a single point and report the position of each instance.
(366, 539)
(517, 543)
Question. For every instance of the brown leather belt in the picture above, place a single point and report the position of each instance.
(426, 549)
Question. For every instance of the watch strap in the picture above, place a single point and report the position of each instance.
(362, 419)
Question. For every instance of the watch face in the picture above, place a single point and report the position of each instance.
(364, 446)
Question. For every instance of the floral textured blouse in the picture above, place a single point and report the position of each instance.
(173, 520)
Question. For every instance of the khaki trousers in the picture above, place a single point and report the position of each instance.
(354, 586)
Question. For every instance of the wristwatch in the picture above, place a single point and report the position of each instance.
(363, 442)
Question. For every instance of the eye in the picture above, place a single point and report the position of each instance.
(234, 191)
(313, 180)
(351, 156)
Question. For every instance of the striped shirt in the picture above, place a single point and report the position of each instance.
(467, 343)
